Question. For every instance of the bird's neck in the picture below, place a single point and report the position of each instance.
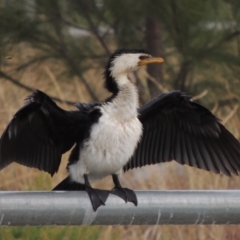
(124, 104)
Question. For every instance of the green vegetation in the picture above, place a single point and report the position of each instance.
(53, 233)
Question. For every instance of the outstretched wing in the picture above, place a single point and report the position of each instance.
(175, 128)
(39, 133)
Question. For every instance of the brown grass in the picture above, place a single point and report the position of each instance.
(165, 176)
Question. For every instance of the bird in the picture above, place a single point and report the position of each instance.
(115, 135)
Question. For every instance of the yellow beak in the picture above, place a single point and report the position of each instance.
(150, 60)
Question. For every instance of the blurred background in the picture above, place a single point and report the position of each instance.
(61, 47)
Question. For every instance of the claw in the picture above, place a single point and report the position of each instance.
(126, 194)
(98, 197)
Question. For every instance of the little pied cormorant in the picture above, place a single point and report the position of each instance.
(114, 135)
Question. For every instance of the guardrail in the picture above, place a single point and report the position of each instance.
(154, 208)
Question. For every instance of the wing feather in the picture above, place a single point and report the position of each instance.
(40, 132)
(175, 128)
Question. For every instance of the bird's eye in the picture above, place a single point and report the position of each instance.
(142, 57)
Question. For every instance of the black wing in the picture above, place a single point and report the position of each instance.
(39, 133)
(175, 128)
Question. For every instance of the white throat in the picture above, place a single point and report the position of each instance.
(125, 104)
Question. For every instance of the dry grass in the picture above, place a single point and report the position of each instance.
(167, 176)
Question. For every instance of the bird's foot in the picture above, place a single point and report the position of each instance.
(126, 194)
(98, 197)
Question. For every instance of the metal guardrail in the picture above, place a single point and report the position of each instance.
(154, 208)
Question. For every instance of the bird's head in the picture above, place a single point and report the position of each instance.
(123, 62)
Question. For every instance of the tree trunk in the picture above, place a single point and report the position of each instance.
(154, 45)
(181, 80)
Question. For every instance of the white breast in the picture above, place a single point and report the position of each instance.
(108, 149)
(113, 139)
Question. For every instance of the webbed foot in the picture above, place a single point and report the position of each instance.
(126, 194)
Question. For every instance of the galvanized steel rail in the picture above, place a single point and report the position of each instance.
(154, 208)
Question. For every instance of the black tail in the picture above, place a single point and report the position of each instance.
(98, 197)
(68, 185)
